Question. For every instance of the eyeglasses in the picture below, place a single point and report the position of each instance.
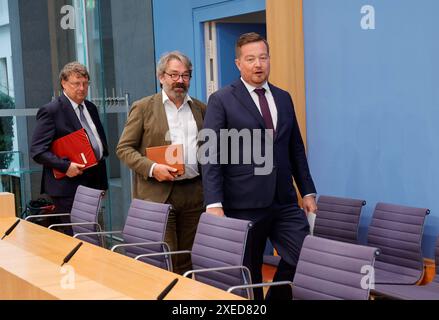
(176, 76)
(78, 84)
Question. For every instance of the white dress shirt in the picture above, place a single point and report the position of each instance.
(90, 123)
(183, 130)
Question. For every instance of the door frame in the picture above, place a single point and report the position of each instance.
(214, 12)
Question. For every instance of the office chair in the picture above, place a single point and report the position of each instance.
(397, 231)
(84, 214)
(144, 232)
(338, 218)
(333, 270)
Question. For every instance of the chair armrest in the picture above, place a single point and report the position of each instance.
(261, 285)
(161, 254)
(167, 250)
(35, 216)
(243, 268)
(141, 244)
(246, 277)
(96, 233)
(74, 224)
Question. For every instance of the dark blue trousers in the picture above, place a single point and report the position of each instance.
(286, 226)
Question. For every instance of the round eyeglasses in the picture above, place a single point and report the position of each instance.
(176, 76)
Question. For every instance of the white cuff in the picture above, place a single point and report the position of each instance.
(214, 205)
(151, 170)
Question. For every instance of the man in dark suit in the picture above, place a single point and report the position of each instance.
(238, 190)
(66, 114)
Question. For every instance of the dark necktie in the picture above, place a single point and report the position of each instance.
(91, 136)
(265, 110)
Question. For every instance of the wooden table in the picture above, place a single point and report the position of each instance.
(7, 205)
(30, 268)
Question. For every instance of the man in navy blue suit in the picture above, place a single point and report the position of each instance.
(238, 190)
(66, 114)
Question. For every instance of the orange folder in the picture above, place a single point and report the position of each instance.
(171, 155)
(77, 148)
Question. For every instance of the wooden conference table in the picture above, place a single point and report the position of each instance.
(30, 268)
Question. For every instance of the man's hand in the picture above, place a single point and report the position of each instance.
(309, 204)
(163, 172)
(216, 211)
(75, 169)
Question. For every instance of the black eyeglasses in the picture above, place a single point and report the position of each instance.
(176, 76)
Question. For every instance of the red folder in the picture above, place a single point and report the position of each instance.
(77, 148)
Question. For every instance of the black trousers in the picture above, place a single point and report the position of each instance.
(286, 226)
(63, 205)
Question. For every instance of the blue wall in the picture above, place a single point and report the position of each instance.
(178, 26)
(373, 104)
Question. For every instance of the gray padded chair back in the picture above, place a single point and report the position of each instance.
(397, 231)
(220, 242)
(146, 222)
(86, 208)
(429, 291)
(332, 270)
(338, 218)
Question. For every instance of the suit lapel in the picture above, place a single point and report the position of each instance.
(69, 113)
(243, 96)
(198, 116)
(278, 103)
(162, 120)
(72, 119)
